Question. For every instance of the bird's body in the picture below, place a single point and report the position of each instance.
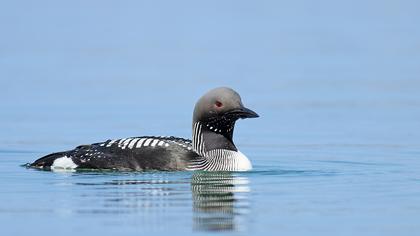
(210, 149)
(137, 153)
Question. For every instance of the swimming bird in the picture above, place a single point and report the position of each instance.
(211, 148)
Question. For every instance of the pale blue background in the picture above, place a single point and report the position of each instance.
(336, 83)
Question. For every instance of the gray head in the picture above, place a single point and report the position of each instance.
(218, 110)
(220, 103)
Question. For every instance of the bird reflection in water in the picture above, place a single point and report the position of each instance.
(220, 201)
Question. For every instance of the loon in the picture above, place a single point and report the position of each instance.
(211, 148)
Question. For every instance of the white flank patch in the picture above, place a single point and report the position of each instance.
(63, 163)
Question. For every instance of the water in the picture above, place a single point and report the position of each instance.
(335, 151)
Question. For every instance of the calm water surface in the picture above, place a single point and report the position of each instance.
(370, 190)
(335, 152)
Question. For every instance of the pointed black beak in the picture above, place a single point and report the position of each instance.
(244, 112)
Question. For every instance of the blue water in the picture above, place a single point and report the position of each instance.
(336, 150)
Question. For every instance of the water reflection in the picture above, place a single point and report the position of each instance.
(220, 201)
(138, 194)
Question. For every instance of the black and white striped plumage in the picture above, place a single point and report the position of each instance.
(211, 147)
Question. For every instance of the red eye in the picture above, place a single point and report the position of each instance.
(218, 104)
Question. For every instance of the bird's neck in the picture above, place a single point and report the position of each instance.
(206, 138)
(217, 150)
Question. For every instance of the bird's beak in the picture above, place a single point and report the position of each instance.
(244, 112)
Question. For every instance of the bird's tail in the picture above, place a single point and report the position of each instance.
(47, 161)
